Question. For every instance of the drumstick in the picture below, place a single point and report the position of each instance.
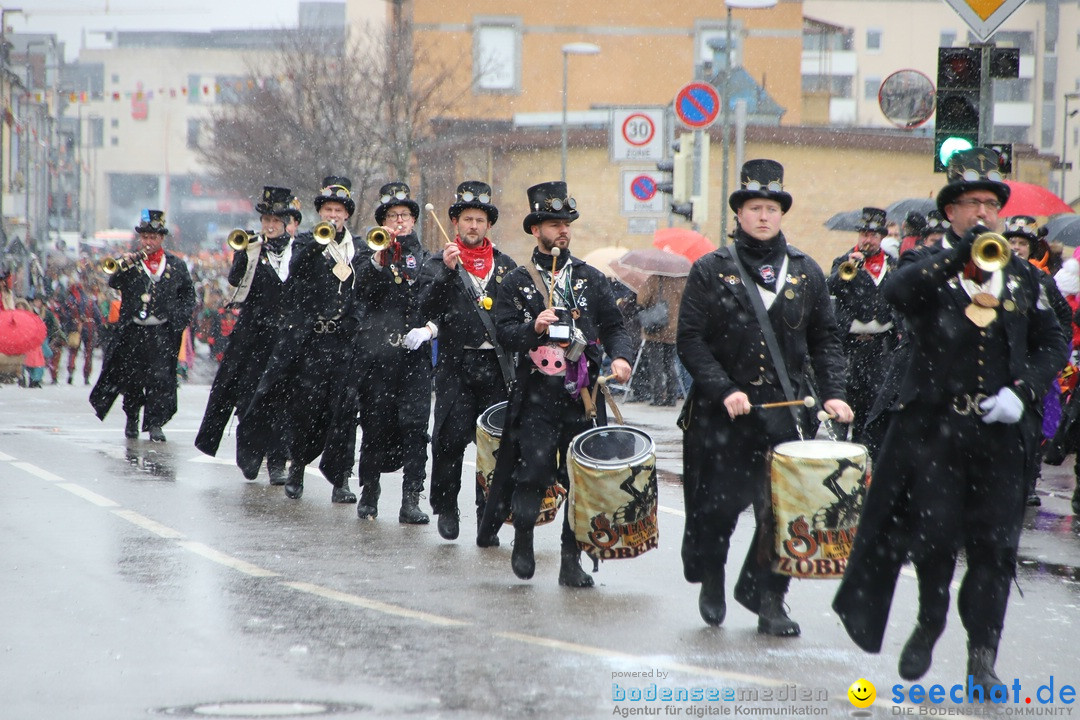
(807, 401)
(431, 209)
(605, 379)
(824, 415)
(554, 262)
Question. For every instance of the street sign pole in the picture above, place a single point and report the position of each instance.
(986, 95)
(726, 141)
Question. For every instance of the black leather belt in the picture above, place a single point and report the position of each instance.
(327, 327)
(968, 404)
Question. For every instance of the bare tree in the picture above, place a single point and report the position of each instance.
(354, 112)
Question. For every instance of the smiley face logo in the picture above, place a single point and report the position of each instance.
(862, 693)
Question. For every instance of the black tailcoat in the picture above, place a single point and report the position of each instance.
(248, 350)
(314, 371)
(722, 347)
(140, 361)
(394, 382)
(945, 479)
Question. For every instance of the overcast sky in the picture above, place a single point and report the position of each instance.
(74, 20)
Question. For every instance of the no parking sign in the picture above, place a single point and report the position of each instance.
(640, 196)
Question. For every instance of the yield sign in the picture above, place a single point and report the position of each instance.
(984, 17)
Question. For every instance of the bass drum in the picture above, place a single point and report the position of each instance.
(489, 429)
(818, 488)
(613, 493)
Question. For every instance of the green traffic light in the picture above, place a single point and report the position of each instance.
(951, 146)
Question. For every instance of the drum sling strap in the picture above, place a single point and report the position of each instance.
(489, 327)
(770, 337)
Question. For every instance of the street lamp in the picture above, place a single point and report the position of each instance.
(726, 117)
(578, 48)
(1065, 138)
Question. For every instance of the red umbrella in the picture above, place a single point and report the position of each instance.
(20, 331)
(1028, 199)
(688, 243)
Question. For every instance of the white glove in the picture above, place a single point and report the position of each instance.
(1006, 407)
(417, 337)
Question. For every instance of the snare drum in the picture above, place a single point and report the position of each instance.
(489, 429)
(613, 494)
(818, 488)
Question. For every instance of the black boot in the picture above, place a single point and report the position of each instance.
(368, 509)
(772, 618)
(294, 488)
(410, 513)
(1033, 499)
(521, 559)
(711, 602)
(449, 524)
(571, 574)
(485, 537)
(918, 652)
(277, 472)
(1076, 499)
(156, 435)
(131, 428)
(342, 494)
(980, 669)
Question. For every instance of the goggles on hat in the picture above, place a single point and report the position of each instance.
(399, 195)
(336, 191)
(773, 186)
(469, 196)
(973, 175)
(558, 204)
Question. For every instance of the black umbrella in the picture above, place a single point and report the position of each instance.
(1064, 229)
(850, 220)
(898, 211)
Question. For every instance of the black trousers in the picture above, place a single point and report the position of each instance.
(663, 383)
(477, 385)
(868, 358)
(150, 379)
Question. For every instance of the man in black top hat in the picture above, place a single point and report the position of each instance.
(950, 474)
(722, 345)
(934, 230)
(312, 364)
(258, 276)
(545, 410)
(157, 299)
(864, 317)
(394, 358)
(472, 372)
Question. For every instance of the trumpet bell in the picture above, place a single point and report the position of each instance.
(109, 266)
(324, 232)
(378, 239)
(990, 252)
(239, 239)
(848, 270)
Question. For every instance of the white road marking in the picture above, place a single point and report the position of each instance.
(5, 458)
(227, 560)
(39, 472)
(375, 605)
(147, 524)
(671, 511)
(99, 500)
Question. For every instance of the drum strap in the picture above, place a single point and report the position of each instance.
(770, 336)
(588, 399)
(489, 326)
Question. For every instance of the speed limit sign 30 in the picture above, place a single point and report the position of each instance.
(637, 134)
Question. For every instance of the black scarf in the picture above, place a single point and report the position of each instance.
(543, 261)
(277, 245)
(763, 260)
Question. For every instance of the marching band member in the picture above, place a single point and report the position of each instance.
(157, 299)
(986, 346)
(546, 410)
(394, 360)
(725, 348)
(472, 372)
(311, 366)
(864, 317)
(258, 275)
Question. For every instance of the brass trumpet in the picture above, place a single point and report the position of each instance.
(378, 239)
(111, 265)
(849, 269)
(239, 239)
(324, 233)
(990, 251)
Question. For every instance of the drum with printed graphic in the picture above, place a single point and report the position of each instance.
(489, 429)
(613, 493)
(818, 487)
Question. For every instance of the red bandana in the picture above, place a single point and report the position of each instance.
(154, 261)
(874, 263)
(477, 260)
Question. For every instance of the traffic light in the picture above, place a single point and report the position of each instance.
(685, 209)
(958, 95)
(667, 185)
(683, 171)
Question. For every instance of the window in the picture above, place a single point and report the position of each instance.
(497, 56)
(115, 78)
(114, 141)
(95, 131)
(195, 133)
(833, 85)
(871, 86)
(873, 39)
(114, 123)
(948, 37)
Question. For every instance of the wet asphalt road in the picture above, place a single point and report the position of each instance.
(143, 579)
